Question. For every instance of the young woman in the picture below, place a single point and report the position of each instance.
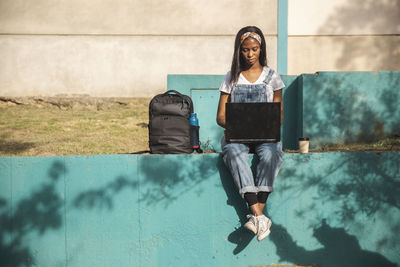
(250, 80)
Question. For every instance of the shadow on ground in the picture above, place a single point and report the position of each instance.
(14, 147)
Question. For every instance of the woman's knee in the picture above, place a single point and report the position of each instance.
(269, 152)
(235, 150)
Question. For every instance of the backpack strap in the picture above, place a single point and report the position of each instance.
(184, 97)
(173, 91)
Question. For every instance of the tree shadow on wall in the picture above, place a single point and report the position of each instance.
(355, 16)
(339, 249)
(162, 180)
(102, 197)
(371, 182)
(170, 178)
(335, 110)
(358, 186)
(38, 213)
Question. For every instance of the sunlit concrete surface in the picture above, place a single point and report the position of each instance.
(112, 66)
(121, 48)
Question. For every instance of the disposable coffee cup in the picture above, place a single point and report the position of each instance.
(304, 144)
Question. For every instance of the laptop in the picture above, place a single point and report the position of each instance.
(253, 122)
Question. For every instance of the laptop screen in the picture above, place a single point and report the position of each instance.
(253, 122)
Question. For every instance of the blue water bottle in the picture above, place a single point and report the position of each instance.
(194, 130)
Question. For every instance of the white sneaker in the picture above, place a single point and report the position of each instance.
(263, 225)
(251, 225)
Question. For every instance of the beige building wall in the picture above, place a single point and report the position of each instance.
(343, 35)
(121, 47)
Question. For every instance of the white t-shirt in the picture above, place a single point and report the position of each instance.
(276, 82)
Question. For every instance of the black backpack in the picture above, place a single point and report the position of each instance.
(169, 126)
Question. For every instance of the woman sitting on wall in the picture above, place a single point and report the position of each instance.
(249, 70)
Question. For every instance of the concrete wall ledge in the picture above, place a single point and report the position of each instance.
(328, 209)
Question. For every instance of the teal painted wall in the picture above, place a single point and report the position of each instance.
(330, 209)
(341, 107)
(328, 107)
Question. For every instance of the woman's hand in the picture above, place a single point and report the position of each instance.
(221, 119)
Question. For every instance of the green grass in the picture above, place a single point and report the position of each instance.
(387, 144)
(29, 130)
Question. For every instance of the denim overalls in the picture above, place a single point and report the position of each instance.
(236, 156)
